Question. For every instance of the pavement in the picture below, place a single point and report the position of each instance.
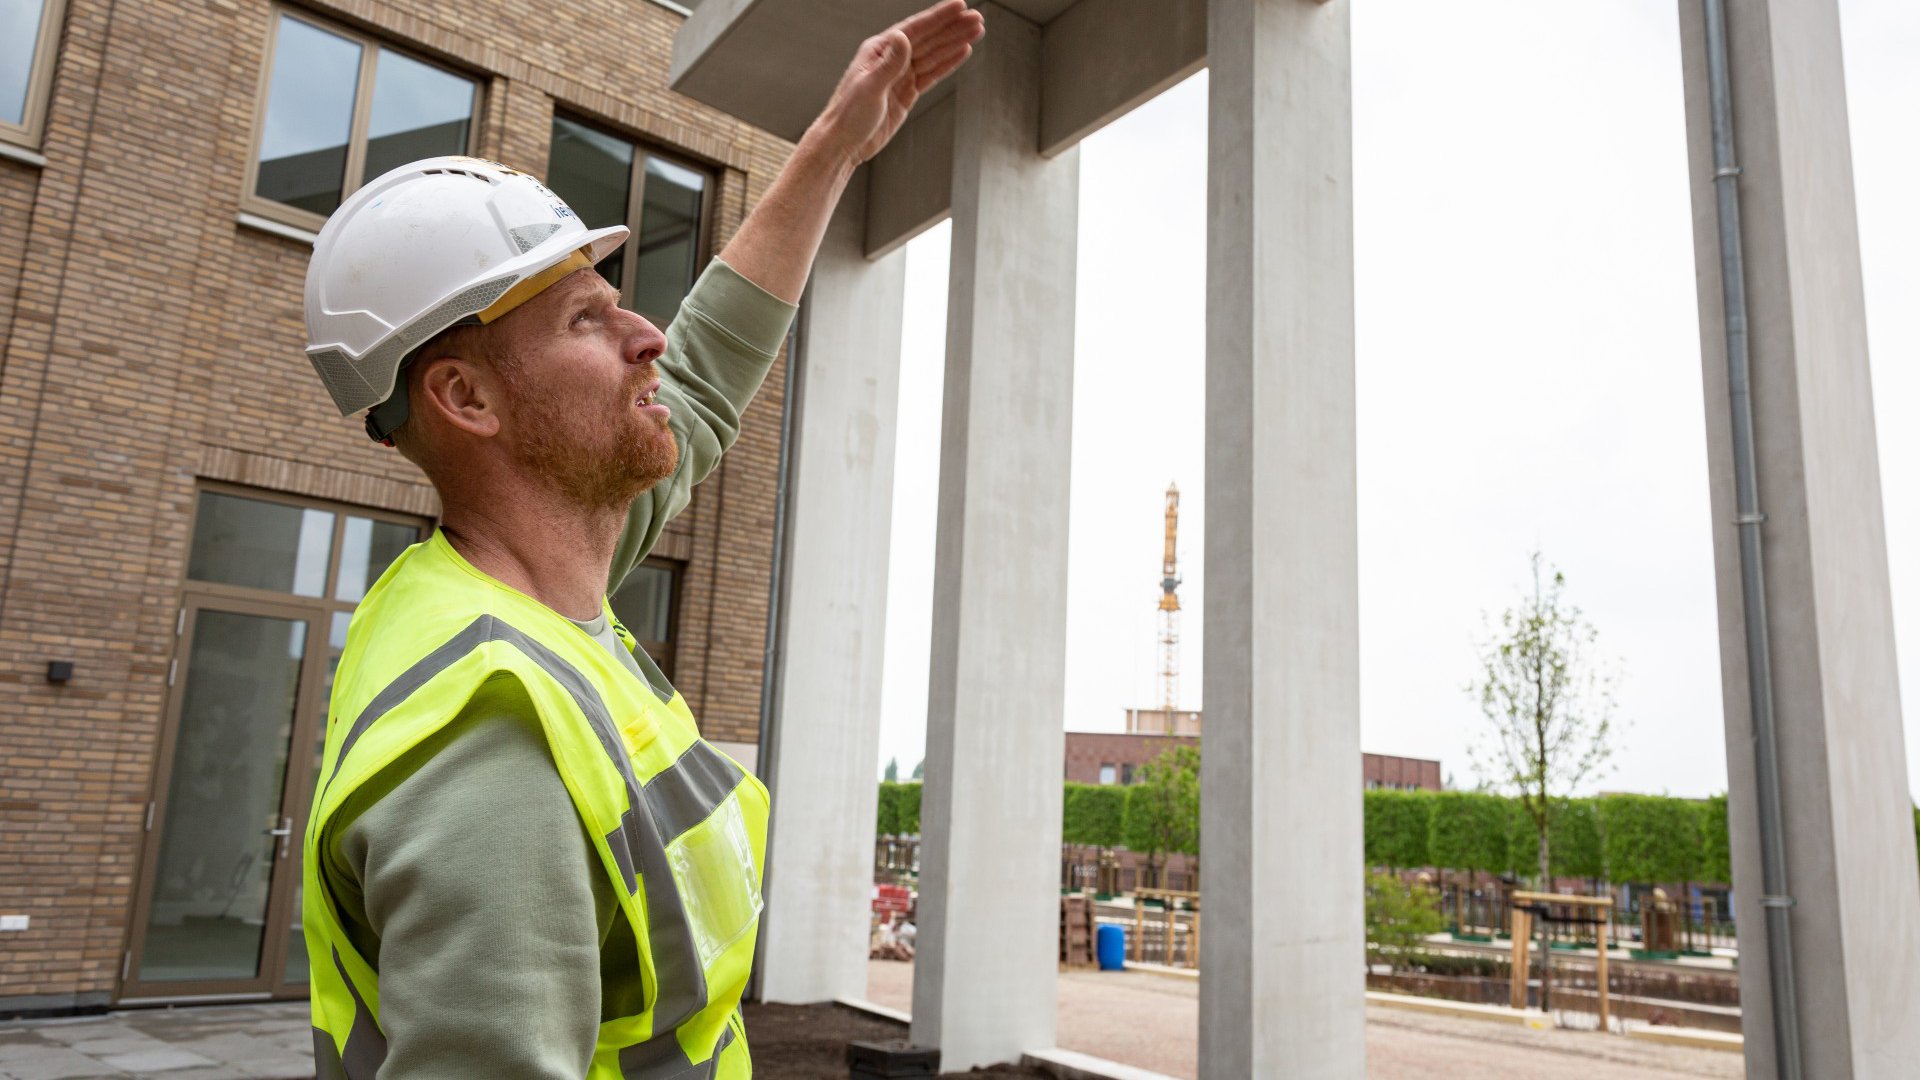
(1146, 1020)
(205, 1042)
(1151, 1021)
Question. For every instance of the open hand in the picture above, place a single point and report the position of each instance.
(890, 72)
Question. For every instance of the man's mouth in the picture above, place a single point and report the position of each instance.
(650, 396)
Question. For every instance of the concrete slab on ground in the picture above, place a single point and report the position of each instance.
(1152, 1022)
(227, 1042)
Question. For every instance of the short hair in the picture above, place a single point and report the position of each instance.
(472, 341)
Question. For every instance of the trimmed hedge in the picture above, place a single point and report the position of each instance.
(1094, 815)
(899, 809)
(1716, 858)
(1469, 831)
(1651, 838)
(1397, 824)
(1645, 839)
(1576, 849)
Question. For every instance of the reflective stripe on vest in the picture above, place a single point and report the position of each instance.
(676, 798)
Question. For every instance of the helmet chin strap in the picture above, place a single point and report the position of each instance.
(385, 418)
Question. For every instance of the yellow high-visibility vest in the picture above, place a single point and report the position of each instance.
(680, 828)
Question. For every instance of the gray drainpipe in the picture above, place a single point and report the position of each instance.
(770, 660)
(1775, 900)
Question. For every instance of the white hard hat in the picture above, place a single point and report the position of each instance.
(423, 247)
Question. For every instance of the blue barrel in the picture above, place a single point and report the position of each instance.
(1110, 942)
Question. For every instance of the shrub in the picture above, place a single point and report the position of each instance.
(1399, 918)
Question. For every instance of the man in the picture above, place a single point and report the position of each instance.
(522, 859)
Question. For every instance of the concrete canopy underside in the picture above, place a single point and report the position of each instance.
(773, 63)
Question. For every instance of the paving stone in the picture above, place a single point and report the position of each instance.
(54, 1063)
(158, 1060)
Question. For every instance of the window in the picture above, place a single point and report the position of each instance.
(1107, 774)
(609, 180)
(340, 109)
(646, 603)
(1126, 774)
(29, 30)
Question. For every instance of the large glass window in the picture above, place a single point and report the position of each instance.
(27, 32)
(341, 109)
(609, 180)
(645, 603)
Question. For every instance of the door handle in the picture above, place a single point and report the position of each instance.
(285, 830)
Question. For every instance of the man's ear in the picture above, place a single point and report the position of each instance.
(461, 394)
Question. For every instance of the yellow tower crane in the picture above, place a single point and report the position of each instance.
(1170, 612)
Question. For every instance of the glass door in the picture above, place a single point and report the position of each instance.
(271, 585)
(223, 861)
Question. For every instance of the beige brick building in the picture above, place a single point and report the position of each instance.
(184, 522)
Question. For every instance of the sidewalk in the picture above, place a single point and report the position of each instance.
(208, 1042)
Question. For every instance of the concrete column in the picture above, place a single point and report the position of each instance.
(1282, 960)
(826, 743)
(990, 812)
(1848, 834)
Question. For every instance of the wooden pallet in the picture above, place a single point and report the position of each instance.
(1076, 931)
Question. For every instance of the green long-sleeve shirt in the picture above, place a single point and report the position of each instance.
(464, 872)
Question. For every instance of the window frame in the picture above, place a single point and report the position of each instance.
(319, 606)
(661, 653)
(32, 127)
(351, 179)
(636, 203)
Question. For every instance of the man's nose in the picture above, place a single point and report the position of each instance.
(645, 342)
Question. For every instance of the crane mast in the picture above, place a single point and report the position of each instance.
(1170, 612)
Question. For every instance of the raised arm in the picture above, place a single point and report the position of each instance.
(776, 245)
(720, 346)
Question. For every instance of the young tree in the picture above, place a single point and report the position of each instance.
(893, 770)
(1548, 704)
(920, 770)
(1163, 807)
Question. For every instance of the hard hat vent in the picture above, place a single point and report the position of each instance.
(469, 174)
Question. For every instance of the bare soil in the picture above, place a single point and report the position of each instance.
(809, 1042)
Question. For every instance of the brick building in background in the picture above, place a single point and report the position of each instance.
(1115, 757)
(185, 524)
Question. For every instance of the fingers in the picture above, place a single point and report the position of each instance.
(939, 66)
(968, 27)
(934, 18)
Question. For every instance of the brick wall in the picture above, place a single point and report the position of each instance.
(147, 340)
(1088, 750)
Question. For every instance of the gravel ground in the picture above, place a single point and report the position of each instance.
(1150, 1021)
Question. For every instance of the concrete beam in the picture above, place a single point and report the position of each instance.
(827, 738)
(912, 180)
(1855, 919)
(773, 63)
(1282, 989)
(1101, 59)
(984, 978)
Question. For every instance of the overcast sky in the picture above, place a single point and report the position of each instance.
(1528, 374)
